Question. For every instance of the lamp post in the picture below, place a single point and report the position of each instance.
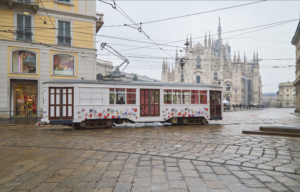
(182, 61)
(235, 95)
(219, 81)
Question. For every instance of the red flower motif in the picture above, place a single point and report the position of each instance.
(179, 113)
(91, 115)
(189, 115)
(207, 115)
(85, 118)
(99, 114)
(172, 114)
(105, 117)
(136, 117)
(168, 116)
(183, 115)
(206, 109)
(135, 109)
(113, 117)
(108, 115)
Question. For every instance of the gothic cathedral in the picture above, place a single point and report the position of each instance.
(211, 63)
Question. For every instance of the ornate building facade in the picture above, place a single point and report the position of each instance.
(211, 63)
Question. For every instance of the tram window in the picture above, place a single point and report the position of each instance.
(195, 96)
(111, 96)
(120, 96)
(131, 96)
(176, 96)
(186, 96)
(203, 97)
(168, 96)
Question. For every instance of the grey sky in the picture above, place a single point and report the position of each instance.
(271, 43)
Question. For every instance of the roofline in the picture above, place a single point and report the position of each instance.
(296, 32)
(76, 81)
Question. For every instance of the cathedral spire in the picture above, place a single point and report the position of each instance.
(239, 58)
(219, 29)
(176, 55)
(187, 43)
(254, 56)
(209, 40)
(191, 43)
(234, 58)
(205, 40)
(245, 58)
(163, 66)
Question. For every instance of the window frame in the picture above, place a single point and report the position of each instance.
(15, 21)
(198, 58)
(125, 98)
(52, 65)
(71, 31)
(199, 79)
(37, 59)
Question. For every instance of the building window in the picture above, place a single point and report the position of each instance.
(294, 89)
(168, 96)
(186, 96)
(215, 76)
(198, 79)
(63, 65)
(23, 62)
(287, 97)
(176, 96)
(294, 97)
(65, 1)
(198, 63)
(24, 28)
(64, 33)
(227, 87)
(287, 89)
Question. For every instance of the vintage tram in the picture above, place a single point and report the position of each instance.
(93, 104)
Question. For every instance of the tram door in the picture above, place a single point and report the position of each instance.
(60, 103)
(215, 103)
(149, 102)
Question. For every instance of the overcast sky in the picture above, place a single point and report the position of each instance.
(271, 43)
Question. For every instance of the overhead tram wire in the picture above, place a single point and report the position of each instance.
(47, 13)
(141, 30)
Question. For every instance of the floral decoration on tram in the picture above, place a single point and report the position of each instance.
(186, 112)
(108, 113)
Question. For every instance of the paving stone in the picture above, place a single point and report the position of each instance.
(160, 187)
(204, 169)
(177, 185)
(242, 174)
(106, 183)
(252, 183)
(142, 182)
(122, 187)
(221, 170)
(276, 187)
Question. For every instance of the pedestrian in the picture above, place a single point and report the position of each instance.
(233, 107)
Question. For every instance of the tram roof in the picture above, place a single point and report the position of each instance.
(132, 83)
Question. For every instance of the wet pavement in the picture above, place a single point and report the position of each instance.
(153, 157)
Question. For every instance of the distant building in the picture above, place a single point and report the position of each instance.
(211, 63)
(130, 76)
(269, 99)
(286, 95)
(296, 42)
(103, 68)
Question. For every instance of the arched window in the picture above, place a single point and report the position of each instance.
(198, 63)
(294, 97)
(99, 76)
(23, 62)
(215, 76)
(227, 87)
(198, 79)
(63, 64)
(287, 97)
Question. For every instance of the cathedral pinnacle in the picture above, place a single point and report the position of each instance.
(234, 58)
(219, 29)
(239, 58)
(205, 40)
(187, 43)
(176, 55)
(209, 40)
(191, 43)
(245, 59)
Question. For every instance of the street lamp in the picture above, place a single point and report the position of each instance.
(182, 61)
(219, 82)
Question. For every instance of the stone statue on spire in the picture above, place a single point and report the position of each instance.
(205, 40)
(219, 29)
(191, 43)
(209, 40)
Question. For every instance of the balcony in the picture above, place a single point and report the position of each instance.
(99, 21)
(34, 4)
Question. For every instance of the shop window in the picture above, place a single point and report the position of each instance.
(23, 62)
(63, 65)
(131, 96)
(186, 97)
(168, 96)
(176, 96)
(195, 96)
(24, 99)
(203, 97)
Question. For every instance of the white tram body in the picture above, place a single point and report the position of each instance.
(90, 104)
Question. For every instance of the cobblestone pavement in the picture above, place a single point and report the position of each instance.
(212, 158)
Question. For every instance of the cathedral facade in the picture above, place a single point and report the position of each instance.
(211, 63)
